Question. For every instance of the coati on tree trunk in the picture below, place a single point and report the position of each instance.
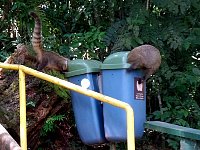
(145, 57)
(46, 59)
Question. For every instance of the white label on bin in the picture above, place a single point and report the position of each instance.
(85, 83)
(139, 88)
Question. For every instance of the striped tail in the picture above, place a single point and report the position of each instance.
(37, 36)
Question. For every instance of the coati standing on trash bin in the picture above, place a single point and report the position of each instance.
(46, 59)
(145, 57)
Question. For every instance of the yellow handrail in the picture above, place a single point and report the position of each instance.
(22, 104)
(23, 69)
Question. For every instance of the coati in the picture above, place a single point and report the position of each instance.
(46, 59)
(145, 57)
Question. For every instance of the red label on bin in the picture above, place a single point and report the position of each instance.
(138, 88)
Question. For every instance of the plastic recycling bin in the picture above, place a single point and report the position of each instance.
(87, 111)
(120, 83)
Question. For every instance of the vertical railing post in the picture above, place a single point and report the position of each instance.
(130, 128)
(22, 93)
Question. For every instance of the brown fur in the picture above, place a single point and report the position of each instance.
(45, 59)
(145, 57)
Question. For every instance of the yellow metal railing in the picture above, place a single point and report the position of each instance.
(106, 99)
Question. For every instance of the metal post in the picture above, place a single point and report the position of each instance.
(130, 128)
(22, 92)
(188, 144)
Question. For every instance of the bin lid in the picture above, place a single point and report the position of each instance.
(79, 66)
(116, 61)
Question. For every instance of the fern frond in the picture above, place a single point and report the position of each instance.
(50, 124)
(111, 35)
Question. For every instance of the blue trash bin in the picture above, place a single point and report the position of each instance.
(119, 83)
(88, 112)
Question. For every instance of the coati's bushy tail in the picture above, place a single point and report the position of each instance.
(37, 34)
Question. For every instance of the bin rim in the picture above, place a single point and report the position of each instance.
(81, 72)
(115, 66)
(80, 67)
(116, 60)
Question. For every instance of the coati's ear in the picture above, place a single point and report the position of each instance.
(64, 69)
(65, 66)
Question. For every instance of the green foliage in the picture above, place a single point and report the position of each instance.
(60, 91)
(174, 7)
(179, 102)
(30, 104)
(125, 34)
(50, 124)
(86, 45)
(111, 37)
(173, 142)
(122, 145)
(5, 50)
